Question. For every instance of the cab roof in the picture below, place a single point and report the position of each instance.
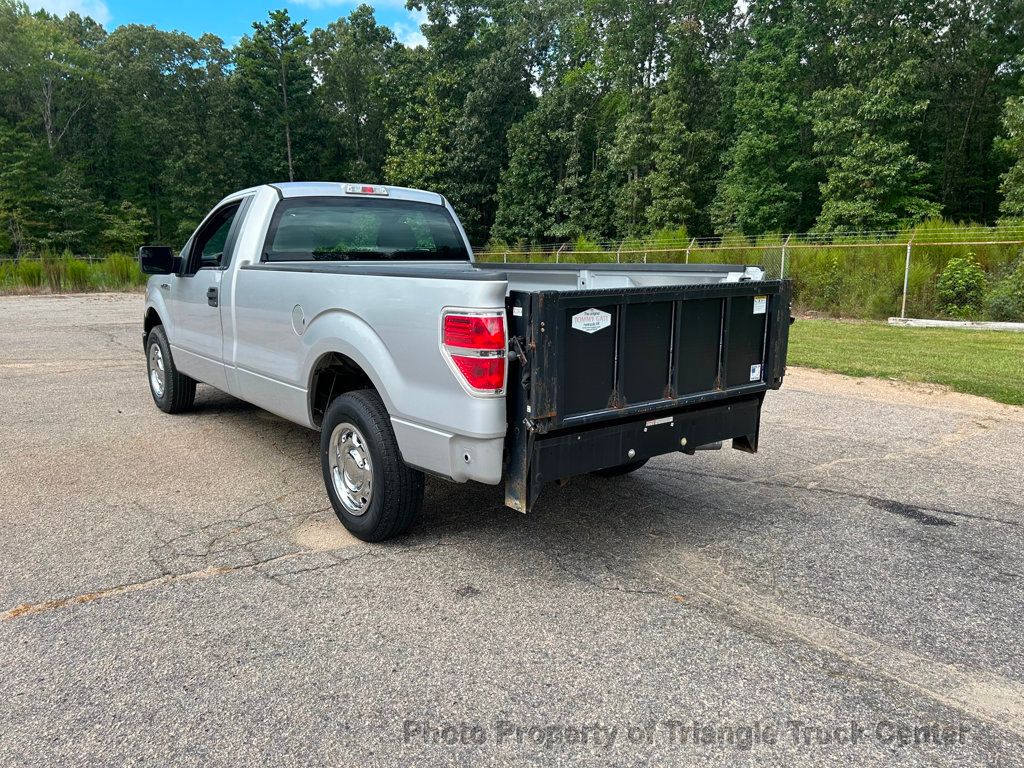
(337, 189)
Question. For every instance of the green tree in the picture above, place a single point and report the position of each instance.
(968, 72)
(353, 59)
(873, 180)
(56, 72)
(420, 138)
(499, 99)
(526, 187)
(72, 212)
(26, 164)
(685, 126)
(124, 227)
(769, 174)
(1012, 144)
(275, 74)
(864, 124)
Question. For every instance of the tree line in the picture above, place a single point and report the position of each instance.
(541, 120)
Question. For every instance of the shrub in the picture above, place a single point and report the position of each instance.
(961, 287)
(121, 270)
(30, 272)
(53, 271)
(832, 291)
(1005, 301)
(78, 274)
(581, 250)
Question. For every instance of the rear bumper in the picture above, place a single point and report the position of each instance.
(457, 457)
(570, 452)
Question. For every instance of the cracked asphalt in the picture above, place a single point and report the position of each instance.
(174, 590)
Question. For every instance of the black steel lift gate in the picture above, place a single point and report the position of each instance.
(601, 378)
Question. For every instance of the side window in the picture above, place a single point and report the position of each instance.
(211, 241)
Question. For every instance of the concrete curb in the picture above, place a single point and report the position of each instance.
(970, 325)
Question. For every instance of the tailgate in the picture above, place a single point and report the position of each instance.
(595, 359)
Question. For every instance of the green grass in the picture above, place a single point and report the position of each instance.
(31, 274)
(986, 363)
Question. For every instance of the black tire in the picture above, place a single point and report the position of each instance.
(396, 490)
(622, 469)
(179, 391)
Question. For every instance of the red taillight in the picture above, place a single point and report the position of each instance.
(474, 331)
(475, 344)
(481, 372)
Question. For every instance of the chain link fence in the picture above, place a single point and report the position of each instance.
(850, 274)
(846, 274)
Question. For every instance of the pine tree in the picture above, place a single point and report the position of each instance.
(873, 179)
(769, 173)
(275, 73)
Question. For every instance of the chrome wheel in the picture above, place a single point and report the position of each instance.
(351, 468)
(157, 374)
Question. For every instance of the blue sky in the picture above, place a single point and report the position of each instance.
(230, 19)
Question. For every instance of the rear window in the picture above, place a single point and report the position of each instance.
(355, 229)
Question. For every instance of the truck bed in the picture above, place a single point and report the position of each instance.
(608, 363)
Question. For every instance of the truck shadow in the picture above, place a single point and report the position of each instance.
(211, 401)
(611, 532)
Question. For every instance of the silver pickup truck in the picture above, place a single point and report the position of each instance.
(358, 310)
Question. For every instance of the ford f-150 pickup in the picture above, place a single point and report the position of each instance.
(359, 310)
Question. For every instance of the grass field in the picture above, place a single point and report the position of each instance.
(986, 363)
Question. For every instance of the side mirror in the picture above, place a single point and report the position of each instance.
(158, 260)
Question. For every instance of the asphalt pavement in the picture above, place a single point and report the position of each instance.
(175, 590)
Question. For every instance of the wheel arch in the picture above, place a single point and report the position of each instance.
(343, 353)
(334, 373)
(151, 321)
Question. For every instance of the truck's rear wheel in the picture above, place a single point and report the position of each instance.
(622, 469)
(173, 392)
(375, 495)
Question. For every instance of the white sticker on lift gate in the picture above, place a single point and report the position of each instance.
(591, 320)
(760, 305)
(755, 372)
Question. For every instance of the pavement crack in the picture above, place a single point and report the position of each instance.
(29, 609)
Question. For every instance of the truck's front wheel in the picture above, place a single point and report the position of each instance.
(173, 392)
(375, 495)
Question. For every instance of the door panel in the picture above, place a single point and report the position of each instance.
(198, 337)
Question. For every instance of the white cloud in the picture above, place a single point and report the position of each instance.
(410, 34)
(407, 32)
(97, 9)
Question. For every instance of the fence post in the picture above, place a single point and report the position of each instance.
(618, 253)
(505, 257)
(906, 279)
(692, 241)
(782, 269)
(558, 253)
